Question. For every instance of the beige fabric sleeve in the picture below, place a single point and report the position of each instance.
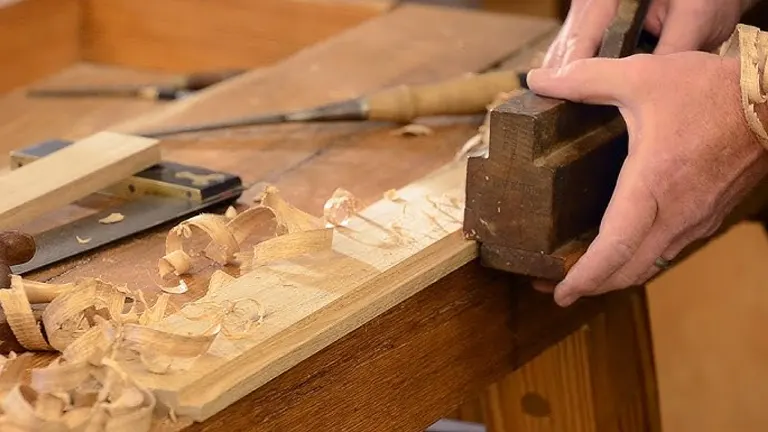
(750, 44)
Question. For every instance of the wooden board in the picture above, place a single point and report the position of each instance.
(213, 35)
(81, 169)
(313, 301)
(37, 37)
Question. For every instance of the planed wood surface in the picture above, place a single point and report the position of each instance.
(81, 169)
(37, 38)
(193, 35)
(312, 301)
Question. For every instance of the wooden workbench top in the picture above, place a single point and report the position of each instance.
(463, 332)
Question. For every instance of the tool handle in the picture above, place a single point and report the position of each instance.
(200, 80)
(466, 95)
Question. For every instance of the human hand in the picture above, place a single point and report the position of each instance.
(691, 159)
(680, 25)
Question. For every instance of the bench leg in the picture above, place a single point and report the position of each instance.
(600, 378)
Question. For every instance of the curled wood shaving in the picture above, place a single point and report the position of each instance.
(40, 292)
(289, 219)
(339, 208)
(18, 313)
(181, 288)
(112, 218)
(145, 339)
(231, 212)
(177, 262)
(65, 318)
(221, 249)
(413, 129)
(479, 143)
(83, 240)
(286, 246)
(104, 399)
(12, 370)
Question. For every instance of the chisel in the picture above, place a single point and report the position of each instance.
(172, 90)
(469, 94)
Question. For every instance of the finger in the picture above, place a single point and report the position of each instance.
(656, 245)
(556, 51)
(581, 33)
(588, 30)
(681, 32)
(543, 285)
(677, 245)
(597, 81)
(626, 223)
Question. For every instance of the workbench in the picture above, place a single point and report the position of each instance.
(587, 367)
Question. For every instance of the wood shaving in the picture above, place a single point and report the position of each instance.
(286, 246)
(181, 288)
(18, 313)
(96, 325)
(478, 145)
(339, 208)
(231, 212)
(112, 218)
(289, 219)
(83, 240)
(40, 292)
(413, 129)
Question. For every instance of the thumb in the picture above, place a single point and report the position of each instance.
(599, 81)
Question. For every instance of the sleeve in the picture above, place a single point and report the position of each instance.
(750, 45)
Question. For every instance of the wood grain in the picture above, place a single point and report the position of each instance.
(81, 169)
(37, 38)
(193, 35)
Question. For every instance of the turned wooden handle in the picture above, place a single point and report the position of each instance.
(465, 95)
(15, 248)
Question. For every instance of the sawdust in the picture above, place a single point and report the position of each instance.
(112, 218)
(413, 130)
(181, 288)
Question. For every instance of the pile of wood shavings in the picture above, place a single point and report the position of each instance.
(96, 325)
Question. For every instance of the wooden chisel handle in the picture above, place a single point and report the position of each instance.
(459, 96)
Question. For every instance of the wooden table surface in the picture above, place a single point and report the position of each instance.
(418, 361)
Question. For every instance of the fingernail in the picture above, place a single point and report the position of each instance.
(537, 74)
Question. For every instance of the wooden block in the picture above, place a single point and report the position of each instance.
(85, 167)
(37, 37)
(565, 159)
(191, 35)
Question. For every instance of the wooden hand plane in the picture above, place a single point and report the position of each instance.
(536, 199)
